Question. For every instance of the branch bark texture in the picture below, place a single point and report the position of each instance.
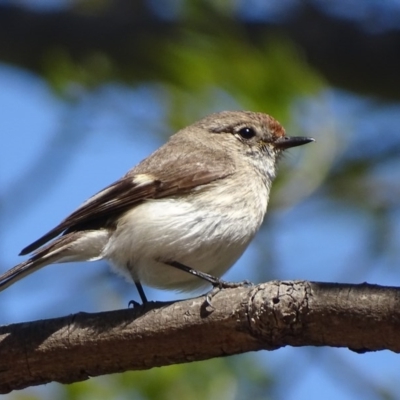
(263, 317)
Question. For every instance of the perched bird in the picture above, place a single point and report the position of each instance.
(183, 216)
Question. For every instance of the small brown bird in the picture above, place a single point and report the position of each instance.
(183, 216)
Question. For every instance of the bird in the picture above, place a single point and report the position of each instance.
(183, 216)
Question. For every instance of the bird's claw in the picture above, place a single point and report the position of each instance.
(219, 285)
(134, 304)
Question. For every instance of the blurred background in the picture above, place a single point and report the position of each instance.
(88, 88)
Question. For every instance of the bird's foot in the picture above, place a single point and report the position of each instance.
(219, 285)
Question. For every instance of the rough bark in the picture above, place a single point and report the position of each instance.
(263, 317)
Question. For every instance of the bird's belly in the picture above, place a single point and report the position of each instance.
(165, 230)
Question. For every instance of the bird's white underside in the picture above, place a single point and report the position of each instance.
(198, 234)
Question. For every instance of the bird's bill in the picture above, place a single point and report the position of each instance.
(285, 142)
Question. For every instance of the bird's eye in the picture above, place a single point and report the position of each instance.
(247, 133)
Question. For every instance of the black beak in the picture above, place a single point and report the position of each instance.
(285, 142)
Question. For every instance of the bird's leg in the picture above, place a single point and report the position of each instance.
(202, 275)
(142, 295)
(217, 283)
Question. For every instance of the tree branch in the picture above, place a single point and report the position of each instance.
(263, 317)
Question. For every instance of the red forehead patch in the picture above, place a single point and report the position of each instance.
(273, 125)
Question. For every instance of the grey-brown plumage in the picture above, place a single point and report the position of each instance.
(196, 201)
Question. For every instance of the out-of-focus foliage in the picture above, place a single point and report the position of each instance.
(218, 379)
(202, 69)
(214, 379)
(222, 69)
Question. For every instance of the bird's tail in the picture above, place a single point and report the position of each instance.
(75, 246)
(21, 270)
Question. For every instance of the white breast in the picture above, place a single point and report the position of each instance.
(207, 231)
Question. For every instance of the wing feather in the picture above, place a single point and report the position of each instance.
(125, 193)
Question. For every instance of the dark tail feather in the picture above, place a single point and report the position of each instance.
(75, 246)
(20, 271)
(40, 242)
(50, 254)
